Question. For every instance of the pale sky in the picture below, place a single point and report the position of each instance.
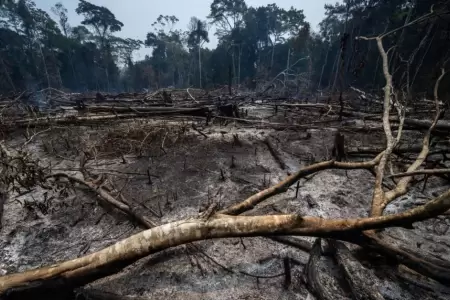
(138, 15)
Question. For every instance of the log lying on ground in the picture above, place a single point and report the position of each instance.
(419, 263)
(137, 109)
(313, 282)
(414, 123)
(420, 124)
(142, 220)
(416, 279)
(83, 270)
(88, 120)
(275, 153)
(357, 276)
(421, 172)
(423, 265)
(425, 124)
(398, 150)
(309, 105)
(91, 294)
(315, 125)
(293, 242)
(3, 198)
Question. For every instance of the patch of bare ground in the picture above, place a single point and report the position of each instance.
(171, 172)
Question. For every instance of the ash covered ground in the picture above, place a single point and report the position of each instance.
(188, 171)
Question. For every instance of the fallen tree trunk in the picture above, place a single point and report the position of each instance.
(83, 270)
(398, 150)
(275, 153)
(131, 109)
(293, 242)
(3, 198)
(421, 124)
(421, 172)
(352, 129)
(315, 286)
(425, 124)
(423, 265)
(144, 221)
(88, 120)
(309, 105)
(358, 277)
(413, 123)
(411, 277)
(91, 294)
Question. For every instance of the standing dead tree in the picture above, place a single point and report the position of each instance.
(381, 198)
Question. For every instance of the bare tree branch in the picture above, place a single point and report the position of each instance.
(402, 185)
(282, 187)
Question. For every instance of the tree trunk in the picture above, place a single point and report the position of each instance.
(333, 69)
(288, 63)
(5, 70)
(234, 65)
(45, 66)
(239, 66)
(200, 64)
(273, 54)
(360, 279)
(230, 78)
(337, 70)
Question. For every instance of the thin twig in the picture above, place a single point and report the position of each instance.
(34, 135)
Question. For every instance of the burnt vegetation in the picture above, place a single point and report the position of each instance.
(286, 162)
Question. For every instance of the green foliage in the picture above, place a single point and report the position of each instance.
(256, 44)
(228, 15)
(61, 12)
(79, 33)
(198, 33)
(99, 17)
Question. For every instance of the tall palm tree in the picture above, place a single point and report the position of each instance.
(198, 34)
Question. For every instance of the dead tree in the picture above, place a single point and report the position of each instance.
(338, 151)
(100, 98)
(228, 110)
(381, 198)
(3, 198)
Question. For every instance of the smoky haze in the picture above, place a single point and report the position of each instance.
(138, 15)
